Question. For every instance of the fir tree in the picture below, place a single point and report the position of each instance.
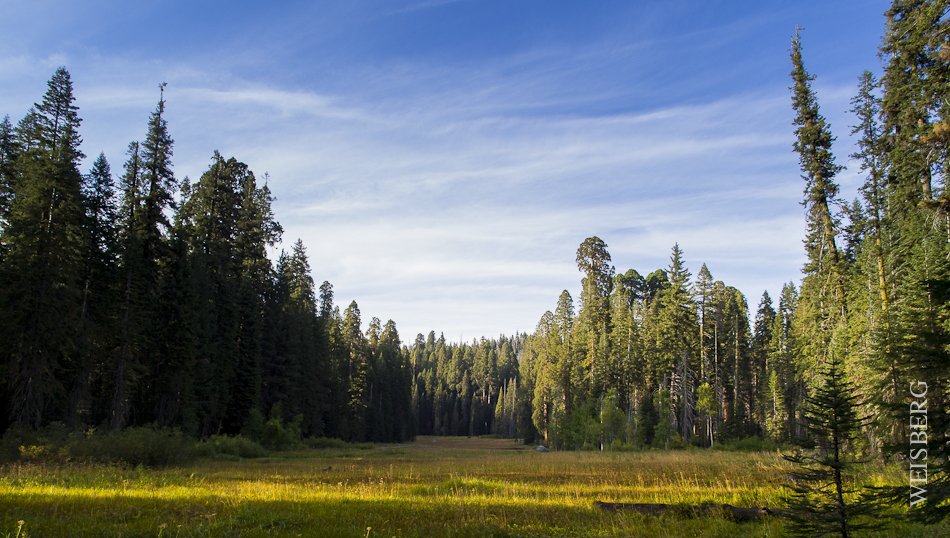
(594, 261)
(127, 367)
(823, 500)
(822, 304)
(99, 297)
(9, 150)
(42, 264)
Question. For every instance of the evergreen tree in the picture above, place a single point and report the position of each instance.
(823, 502)
(149, 186)
(43, 243)
(99, 297)
(915, 83)
(545, 403)
(593, 260)
(678, 359)
(358, 370)
(567, 368)
(822, 303)
(916, 333)
(761, 338)
(702, 290)
(159, 181)
(737, 364)
(127, 367)
(627, 364)
(9, 150)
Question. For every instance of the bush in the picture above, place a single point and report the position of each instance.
(748, 444)
(619, 446)
(223, 445)
(277, 437)
(136, 446)
(45, 444)
(324, 443)
(253, 428)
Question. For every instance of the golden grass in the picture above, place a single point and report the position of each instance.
(433, 487)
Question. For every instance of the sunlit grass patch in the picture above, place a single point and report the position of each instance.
(452, 487)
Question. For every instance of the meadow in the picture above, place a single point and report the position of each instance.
(435, 486)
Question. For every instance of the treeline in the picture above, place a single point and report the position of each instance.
(143, 299)
(643, 360)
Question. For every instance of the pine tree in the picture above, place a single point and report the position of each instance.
(9, 151)
(737, 363)
(822, 302)
(358, 370)
(545, 403)
(233, 225)
(171, 400)
(783, 384)
(158, 179)
(702, 290)
(629, 377)
(823, 503)
(678, 359)
(916, 116)
(762, 336)
(879, 264)
(149, 186)
(127, 367)
(567, 368)
(44, 244)
(915, 83)
(594, 261)
(99, 297)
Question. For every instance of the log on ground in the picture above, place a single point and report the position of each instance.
(654, 509)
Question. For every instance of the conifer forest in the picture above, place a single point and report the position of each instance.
(131, 297)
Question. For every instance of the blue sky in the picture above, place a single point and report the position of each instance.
(442, 160)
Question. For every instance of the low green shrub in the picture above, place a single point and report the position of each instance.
(324, 442)
(619, 446)
(136, 446)
(46, 444)
(237, 446)
(277, 437)
(253, 428)
(339, 444)
(747, 444)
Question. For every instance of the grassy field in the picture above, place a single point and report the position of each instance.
(432, 487)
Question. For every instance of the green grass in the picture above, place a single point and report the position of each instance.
(433, 487)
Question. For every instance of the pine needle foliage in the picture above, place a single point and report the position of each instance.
(824, 500)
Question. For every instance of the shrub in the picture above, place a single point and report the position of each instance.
(44, 444)
(237, 446)
(276, 437)
(324, 443)
(748, 444)
(136, 446)
(253, 428)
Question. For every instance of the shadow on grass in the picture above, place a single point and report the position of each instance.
(85, 513)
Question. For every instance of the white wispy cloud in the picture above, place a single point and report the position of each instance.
(453, 199)
(423, 5)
